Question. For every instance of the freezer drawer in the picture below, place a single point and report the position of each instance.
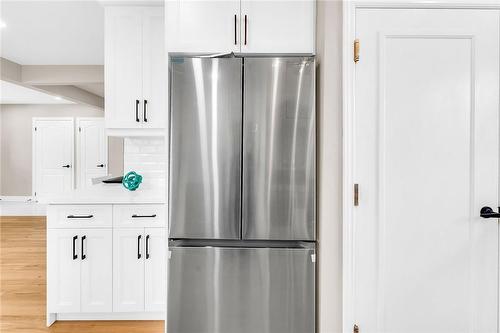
(244, 290)
(205, 148)
(279, 149)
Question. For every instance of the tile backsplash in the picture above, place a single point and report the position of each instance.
(147, 157)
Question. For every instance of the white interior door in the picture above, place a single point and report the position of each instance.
(92, 149)
(63, 268)
(128, 270)
(53, 145)
(155, 270)
(96, 270)
(426, 161)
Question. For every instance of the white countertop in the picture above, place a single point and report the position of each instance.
(107, 194)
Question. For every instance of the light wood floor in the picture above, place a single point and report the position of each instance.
(22, 285)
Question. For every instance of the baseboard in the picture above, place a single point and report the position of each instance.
(15, 198)
(111, 316)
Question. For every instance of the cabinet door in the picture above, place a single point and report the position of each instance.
(277, 26)
(128, 270)
(154, 99)
(92, 149)
(63, 270)
(123, 66)
(203, 26)
(96, 270)
(155, 270)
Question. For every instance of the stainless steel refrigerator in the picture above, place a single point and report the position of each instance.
(242, 206)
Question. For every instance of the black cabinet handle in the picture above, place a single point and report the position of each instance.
(75, 256)
(139, 247)
(147, 247)
(139, 216)
(66, 166)
(83, 254)
(145, 110)
(245, 30)
(80, 216)
(137, 110)
(488, 213)
(100, 165)
(235, 40)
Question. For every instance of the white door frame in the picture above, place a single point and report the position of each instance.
(34, 120)
(348, 110)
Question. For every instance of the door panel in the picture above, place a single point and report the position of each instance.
(128, 270)
(54, 140)
(203, 26)
(205, 167)
(92, 151)
(278, 26)
(279, 149)
(155, 75)
(63, 285)
(97, 269)
(155, 270)
(123, 70)
(244, 290)
(426, 160)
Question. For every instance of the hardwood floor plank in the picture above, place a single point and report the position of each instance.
(23, 285)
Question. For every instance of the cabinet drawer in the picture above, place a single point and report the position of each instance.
(133, 216)
(79, 216)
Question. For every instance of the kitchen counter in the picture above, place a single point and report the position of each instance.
(107, 194)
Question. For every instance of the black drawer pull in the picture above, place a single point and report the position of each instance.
(139, 216)
(137, 110)
(147, 247)
(80, 216)
(84, 256)
(75, 256)
(139, 247)
(145, 117)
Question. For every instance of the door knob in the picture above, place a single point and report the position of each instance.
(487, 213)
(66, 166)
(100, 165)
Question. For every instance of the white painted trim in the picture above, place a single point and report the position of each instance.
(348, 83)
(15, 198)
(53, 317)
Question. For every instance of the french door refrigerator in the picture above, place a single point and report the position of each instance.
(242, 195)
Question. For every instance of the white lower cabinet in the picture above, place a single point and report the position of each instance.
(139, 270)
(103, 270)
(79, 270)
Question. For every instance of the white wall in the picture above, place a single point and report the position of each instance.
(16, 142)
(329, 106)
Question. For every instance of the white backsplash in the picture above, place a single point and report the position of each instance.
(147, 157)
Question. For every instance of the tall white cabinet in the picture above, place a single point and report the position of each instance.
(241, 26)
(135, 70)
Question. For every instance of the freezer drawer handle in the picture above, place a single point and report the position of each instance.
(80, 216)
(139, 247)
(75, 256)
(139, 216)
(147, 247)
(83, 254)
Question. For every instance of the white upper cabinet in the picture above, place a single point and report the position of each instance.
(241, 26)
(277, 26)
(203, 26)
(135, 68)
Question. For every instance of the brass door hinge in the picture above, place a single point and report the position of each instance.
(355, 329)
(356, 50)
(356, 195)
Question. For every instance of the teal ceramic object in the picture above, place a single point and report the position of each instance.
(131, 181)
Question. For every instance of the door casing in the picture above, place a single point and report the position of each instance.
(348, 125)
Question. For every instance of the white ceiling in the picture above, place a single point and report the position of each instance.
(94, 88)
(69, 32)
(15, 94)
